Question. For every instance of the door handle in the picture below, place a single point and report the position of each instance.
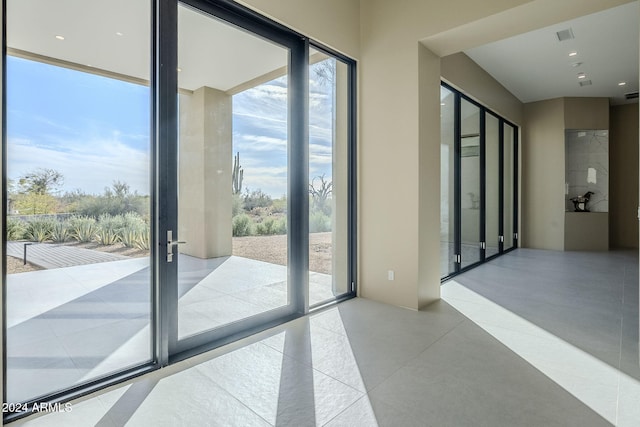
(170, 245)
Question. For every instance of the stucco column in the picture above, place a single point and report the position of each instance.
(204, 179)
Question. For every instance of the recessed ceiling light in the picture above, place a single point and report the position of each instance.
(582, 76)
(118, 33)
(59, 37)
(574, 53)
(622, 83)
(179, 69)
(443, 104)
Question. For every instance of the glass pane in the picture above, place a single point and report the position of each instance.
(328, 178)
(447, 185)
(492, 168)
(78, 153)
(232, 181)
(470, 182)
(508, 185)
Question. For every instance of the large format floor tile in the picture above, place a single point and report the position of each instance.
(517, 342)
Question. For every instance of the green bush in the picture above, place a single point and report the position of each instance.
(236, 205)
(271, 226)
(83, 228)
(61, 232)
(242, 225)
(265, 227)
(39, 230)
(15, 228)
(319, 222)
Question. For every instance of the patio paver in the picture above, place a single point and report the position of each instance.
(50, 255)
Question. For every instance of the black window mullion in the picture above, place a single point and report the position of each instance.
(483, 185)
(457, 180)
(298, 158)
(165, 113)
(515, 187)
(501, 186)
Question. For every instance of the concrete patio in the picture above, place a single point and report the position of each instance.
(66, 326)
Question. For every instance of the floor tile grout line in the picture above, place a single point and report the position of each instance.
(420, 353)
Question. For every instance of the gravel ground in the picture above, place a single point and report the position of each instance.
(272, 249)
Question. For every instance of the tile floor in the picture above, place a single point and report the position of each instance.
(534, 338)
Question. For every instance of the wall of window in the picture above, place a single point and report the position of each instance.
(478, 198)
(177, 175)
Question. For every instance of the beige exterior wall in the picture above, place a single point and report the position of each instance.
(542, 175)
(467, 76)
(623, 185)
(204, 178)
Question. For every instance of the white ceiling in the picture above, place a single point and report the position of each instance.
(535, 66)
(115, 36)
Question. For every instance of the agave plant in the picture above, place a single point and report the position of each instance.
(15, 228)
(83, 228)
(61, 232)
(39, 230)
(143, 240)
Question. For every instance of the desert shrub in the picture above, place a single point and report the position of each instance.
(279, 205)
(256, 199)
(280, 226)
(319, 222)
(83, 228)
(15, 228)
(39, 230)
(236, 205)
(242, 225)
(61, 232)
(265, 227)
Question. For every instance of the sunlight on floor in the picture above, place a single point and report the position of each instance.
(287, 376)
(608, 391)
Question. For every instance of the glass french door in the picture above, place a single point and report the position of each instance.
(479, 183)
(235, 181)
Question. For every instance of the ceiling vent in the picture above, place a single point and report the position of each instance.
(631, 95)
(585, 83)
(565, 35)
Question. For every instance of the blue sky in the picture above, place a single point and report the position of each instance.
(95, 130)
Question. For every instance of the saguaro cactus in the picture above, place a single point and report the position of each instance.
(237, 174)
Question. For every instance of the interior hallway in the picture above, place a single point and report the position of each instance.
(532, 338)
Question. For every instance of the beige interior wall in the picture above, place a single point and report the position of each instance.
(467, 76)
(623, 185)
(335, 23)
(429, 178)
(586, 113)
(542, 175)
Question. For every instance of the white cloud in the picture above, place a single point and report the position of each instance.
(88, 165)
